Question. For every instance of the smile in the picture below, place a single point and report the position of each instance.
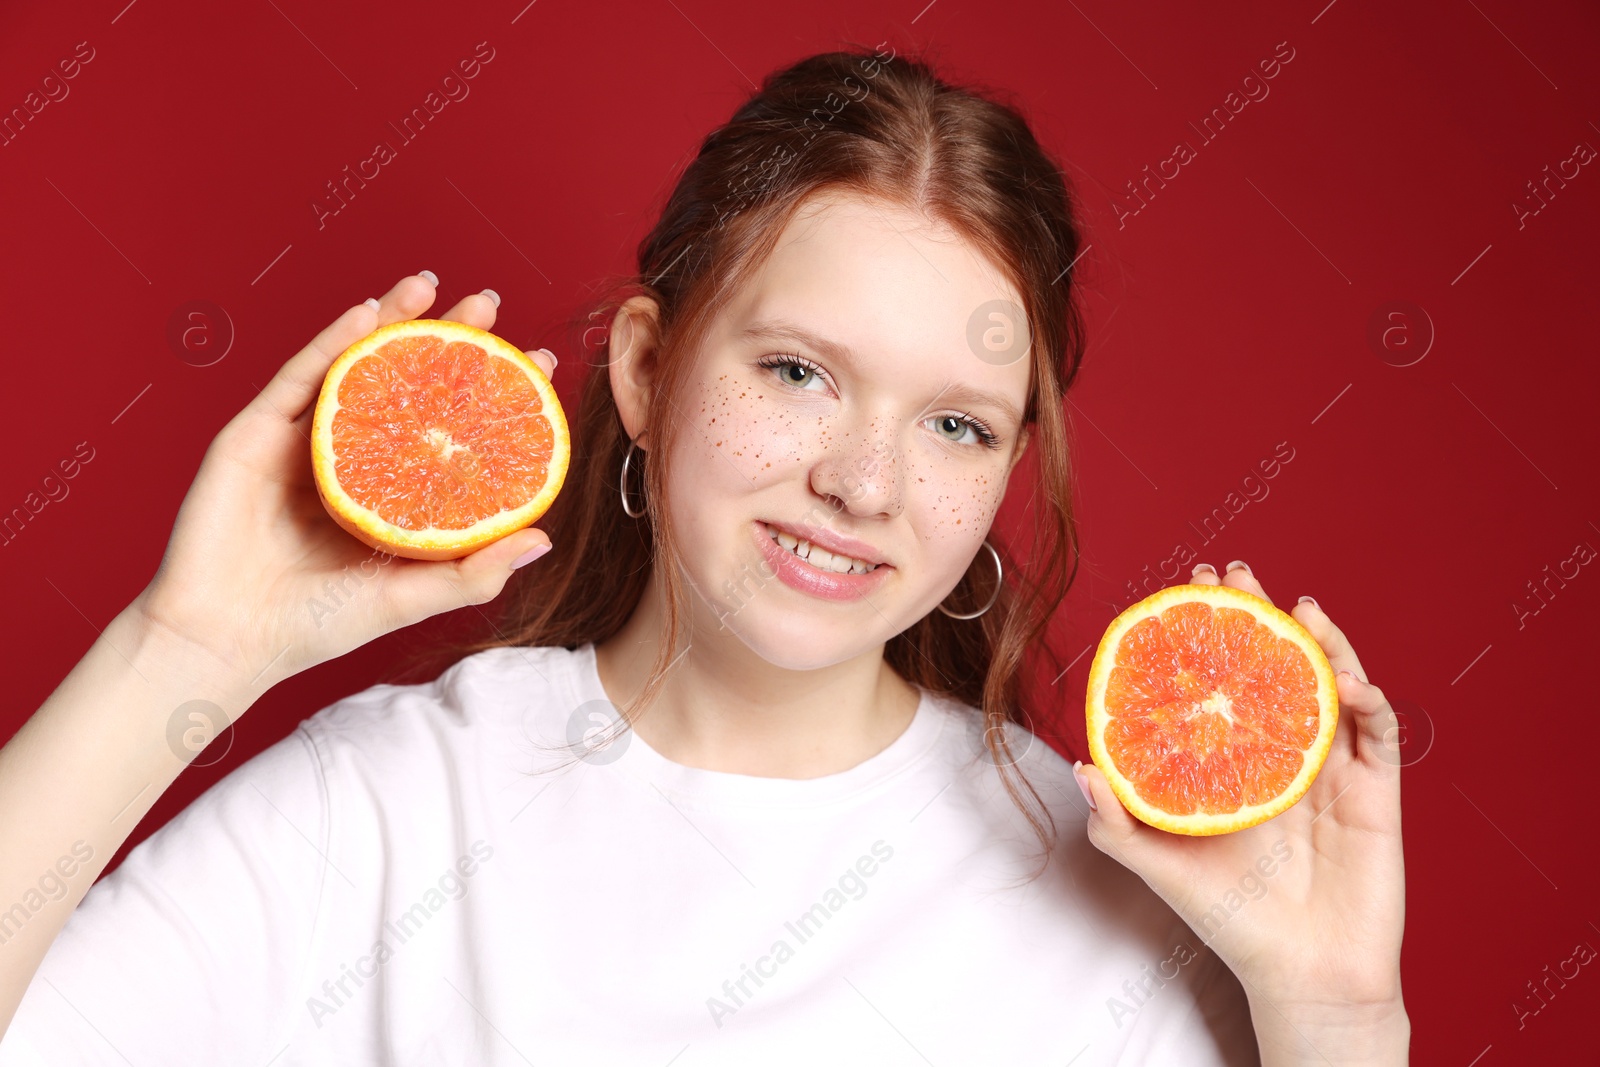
(818, 573)
(818, 557)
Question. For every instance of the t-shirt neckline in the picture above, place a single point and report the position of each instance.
(914, 745)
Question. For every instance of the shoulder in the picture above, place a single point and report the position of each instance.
(1084, 896)
(967, 746)
(484, 687)
(471, 704)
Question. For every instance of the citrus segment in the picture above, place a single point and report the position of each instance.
(1209, 710)
(431, 439)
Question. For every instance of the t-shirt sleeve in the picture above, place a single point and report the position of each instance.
(189, 952)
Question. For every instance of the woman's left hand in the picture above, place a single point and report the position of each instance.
(1307, 908)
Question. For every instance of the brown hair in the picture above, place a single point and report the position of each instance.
(870, 123)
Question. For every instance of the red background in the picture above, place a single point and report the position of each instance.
(1230, 314)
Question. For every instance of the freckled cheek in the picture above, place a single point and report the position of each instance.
(955, 506)
(753, 435)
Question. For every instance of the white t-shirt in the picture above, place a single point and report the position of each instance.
(393, 883)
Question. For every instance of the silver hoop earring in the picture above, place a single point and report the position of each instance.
(623, 485)
(999, 572)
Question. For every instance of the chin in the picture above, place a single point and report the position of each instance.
(794, 646)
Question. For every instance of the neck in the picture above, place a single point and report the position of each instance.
(724, 708)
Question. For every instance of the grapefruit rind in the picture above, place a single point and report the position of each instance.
(1282, 624)
(370, 527)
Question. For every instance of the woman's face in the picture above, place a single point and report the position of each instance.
(848, 389)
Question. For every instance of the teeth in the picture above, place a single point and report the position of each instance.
(820, 558)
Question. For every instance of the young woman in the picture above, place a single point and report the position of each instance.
(743, 776)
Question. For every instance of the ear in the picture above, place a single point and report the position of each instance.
(632, 347)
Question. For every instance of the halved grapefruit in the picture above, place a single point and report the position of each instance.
(1209, 709)
(432, 438)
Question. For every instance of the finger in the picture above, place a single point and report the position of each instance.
(297, 383)
(546, 360)
(295, 387)
(1111, 828)
(1377, 734)
(478, 310)
(1341, 656)
(1204, 574)
(410, 297)
(423, 591)
(1237, 574)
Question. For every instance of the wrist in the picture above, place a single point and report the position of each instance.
(1331, 1032)
(156, 649)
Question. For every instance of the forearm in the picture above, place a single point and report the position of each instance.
(1289, 1035)
(82, 772)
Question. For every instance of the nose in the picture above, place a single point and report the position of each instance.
(865, 479)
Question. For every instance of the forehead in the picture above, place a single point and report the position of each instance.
(887, 283)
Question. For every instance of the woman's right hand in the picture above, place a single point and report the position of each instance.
(258, 575)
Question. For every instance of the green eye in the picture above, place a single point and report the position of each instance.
(786, 363)
(792, 366)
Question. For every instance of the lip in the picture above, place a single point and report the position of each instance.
(838, 544)
(802, 576)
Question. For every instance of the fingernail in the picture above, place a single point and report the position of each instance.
(1346, 671)
(1311, 601)
(433, 279)
(492, 295)
(530, 555)
(1240, 563)
(1083, 783)
(1198, 567)
(371, 302)
(552, 355)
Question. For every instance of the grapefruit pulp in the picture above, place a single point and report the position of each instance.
(432, 438)
(1209, 710)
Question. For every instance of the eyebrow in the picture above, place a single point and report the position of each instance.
(780, 329)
